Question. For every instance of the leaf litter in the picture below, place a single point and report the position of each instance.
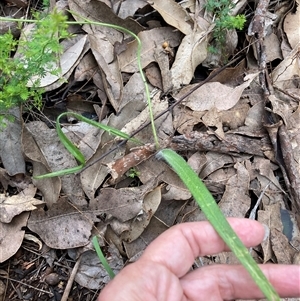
(238, 131)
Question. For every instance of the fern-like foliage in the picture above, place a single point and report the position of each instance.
(37, 51)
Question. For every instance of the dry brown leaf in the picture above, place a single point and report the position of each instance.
(283, 75)
(191, 52)
(50, 187)
(236, 200)
(86, 68)
(63, 226)
(152, 168)
(129, 7)
(57, 158)
(10, 206)
(174, 14)
(67, 63)
(291, 26)
(124, 203)
(139, 224)
(11, 235)
(104, 54)
(100, 12)
(158, 106)
(134, 91)
(216, 95)
(10, 143)
(283, 251)
(151, 39)
(93, 177)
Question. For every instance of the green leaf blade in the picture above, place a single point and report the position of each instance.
(215, 216)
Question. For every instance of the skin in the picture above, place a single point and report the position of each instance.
(163, 271)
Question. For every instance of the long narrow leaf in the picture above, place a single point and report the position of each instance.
(68, 144)
(215, 216)
(102, 258)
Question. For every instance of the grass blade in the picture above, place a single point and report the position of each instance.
(102, 258)
(215, 216)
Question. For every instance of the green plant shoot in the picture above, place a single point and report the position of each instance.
(74, 151)
(215, 216)
(102, 258)
(37, 51)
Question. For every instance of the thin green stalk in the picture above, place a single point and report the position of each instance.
(73, 149)
(215, 216)
(102, 258)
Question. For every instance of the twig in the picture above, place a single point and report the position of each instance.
(71, 280)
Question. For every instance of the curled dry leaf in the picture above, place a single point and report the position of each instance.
(57, 158)
(174, 14)
(10, 143)
(214, 94)
(151, 39)
(68, 61)
(11, 236)
(10, 206)
(139, 224)
(100, 12)
(192, 51)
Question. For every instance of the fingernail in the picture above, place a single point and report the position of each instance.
(267, 232)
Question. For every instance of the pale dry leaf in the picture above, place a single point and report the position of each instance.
(214, 94)
(10, 143)
(57, 158)
(139, 224)
(272, 46)
(185, 119)
(212, 119)
(283, 251)
(291, 26)
(213, 162)
(88, 135)
(134, 91)
(283, 75)
(11, 236)
(158, 106)
(93, 177)
(86, 68)
(151, 39)
(34, 239)
(100, 12)
(174, 14)
(104, 54)
(49, 187)
(10, 206)
(191, 52)
(264, 217)
(67, 62)
(129, 7)
(124, 203)
(237, 190)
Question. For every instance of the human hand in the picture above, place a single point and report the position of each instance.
(163, 271)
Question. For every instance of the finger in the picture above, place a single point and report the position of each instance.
(178, 247)
(230, 282)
